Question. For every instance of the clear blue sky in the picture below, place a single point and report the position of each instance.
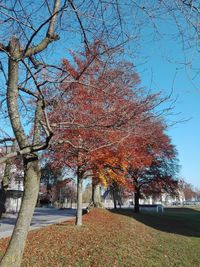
(163, 71)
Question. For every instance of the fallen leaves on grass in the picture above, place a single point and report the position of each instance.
(106, 239)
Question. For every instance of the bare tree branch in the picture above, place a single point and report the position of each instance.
(7, 140)
(50, 35)
(3, 48)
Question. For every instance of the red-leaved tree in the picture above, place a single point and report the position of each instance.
(98, 110)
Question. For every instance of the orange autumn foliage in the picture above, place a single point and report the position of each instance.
(103, 120)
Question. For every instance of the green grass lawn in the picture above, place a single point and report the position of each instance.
(118, 238)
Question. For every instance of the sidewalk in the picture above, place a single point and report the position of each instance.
(42, 217)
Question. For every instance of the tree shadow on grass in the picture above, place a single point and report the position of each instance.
(181, 221)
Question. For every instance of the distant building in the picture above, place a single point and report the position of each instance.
(164, 198)
(15, 188)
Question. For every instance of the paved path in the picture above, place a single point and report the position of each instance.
(42, 217)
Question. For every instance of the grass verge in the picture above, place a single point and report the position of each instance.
(117, 238)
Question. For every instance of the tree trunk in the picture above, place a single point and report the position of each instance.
(96, 196)
(79, 200)
(2, 199)
(14, 253)
(114, 199)
(4, 186)
(136, 197)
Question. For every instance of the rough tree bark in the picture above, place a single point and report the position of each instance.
(114, 199)
(96, 195)
(114, 191)
(13, 255)
(79, 198)
(136, 198)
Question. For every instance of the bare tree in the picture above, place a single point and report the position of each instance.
(17, 56)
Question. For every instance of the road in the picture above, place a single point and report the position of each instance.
(42, 217)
